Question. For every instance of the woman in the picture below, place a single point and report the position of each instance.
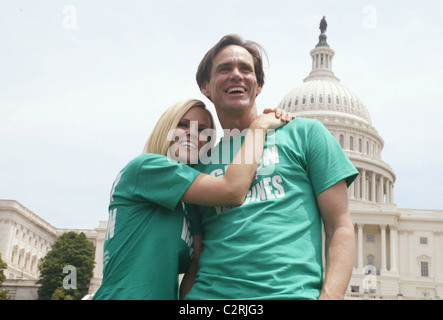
(147, 242)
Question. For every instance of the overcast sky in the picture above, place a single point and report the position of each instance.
(82, 84)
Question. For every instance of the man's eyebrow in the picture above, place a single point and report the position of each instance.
(229, 64)
(222, 65)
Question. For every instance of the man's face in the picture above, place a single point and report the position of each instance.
(233, 85)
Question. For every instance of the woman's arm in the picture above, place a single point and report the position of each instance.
(231, 189)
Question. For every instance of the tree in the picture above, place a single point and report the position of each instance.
(65, 272)
(3, 293)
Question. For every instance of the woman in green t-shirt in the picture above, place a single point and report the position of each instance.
(147, 243)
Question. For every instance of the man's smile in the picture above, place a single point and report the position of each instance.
(233, 90)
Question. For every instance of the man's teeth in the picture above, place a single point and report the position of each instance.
(236, 89)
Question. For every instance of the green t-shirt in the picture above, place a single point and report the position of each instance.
(270, 247)
(147, 242)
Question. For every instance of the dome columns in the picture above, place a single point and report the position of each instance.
(322, 60)
(372, 187)
(322, 64)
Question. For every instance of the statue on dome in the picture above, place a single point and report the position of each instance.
(323, 25)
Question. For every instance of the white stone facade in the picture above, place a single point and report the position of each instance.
(25, 239)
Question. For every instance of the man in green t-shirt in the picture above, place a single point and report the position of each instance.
(271, 246)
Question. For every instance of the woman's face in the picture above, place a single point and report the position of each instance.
(189, 138)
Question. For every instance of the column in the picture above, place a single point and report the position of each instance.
(380, 189)
(374, 197)
(351, 191)
(363, 184)
(360, 246)
(411, 253)
(391, 191)
(383, 247)
(393, 247)
(438, 261)
(357, 186)
(387, 191)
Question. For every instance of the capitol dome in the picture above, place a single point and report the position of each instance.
(323, 97)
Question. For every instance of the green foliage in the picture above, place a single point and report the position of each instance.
(3, 293)
(65, 272)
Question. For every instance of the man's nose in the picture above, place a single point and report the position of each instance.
(236, 74)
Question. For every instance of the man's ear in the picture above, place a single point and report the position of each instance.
(258, 90)
(205, 90)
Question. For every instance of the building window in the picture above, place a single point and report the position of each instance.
(371, 260)
(355, 289)
(351, 143)
(320, 99)
(342, 141)
(360, 145)
(296, 102)
(423, 240)
(370, 238)
(424, 269)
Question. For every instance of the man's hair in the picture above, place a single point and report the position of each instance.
(256, 50)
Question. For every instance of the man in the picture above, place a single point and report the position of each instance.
(270, 247)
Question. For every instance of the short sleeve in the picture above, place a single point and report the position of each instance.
(162, 180)
(327, 163)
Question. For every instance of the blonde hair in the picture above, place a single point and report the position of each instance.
(159, 141)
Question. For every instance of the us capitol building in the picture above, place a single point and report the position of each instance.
(399, 251)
